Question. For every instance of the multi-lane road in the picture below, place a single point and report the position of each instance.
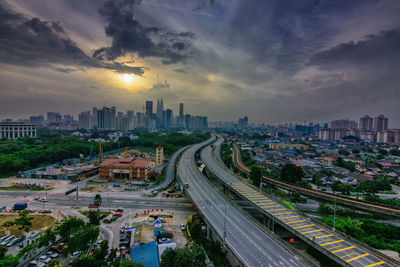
(249, 243)
(330, 243)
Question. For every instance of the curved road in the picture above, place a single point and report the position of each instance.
(251, 245)
(343, 251)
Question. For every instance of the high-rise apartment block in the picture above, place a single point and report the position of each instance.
(380, 123)
(366, 123)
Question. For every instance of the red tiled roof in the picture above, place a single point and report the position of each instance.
(141, 163)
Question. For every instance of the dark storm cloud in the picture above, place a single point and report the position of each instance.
(130, 36)
(179, 70)
(382, 48)
(35, 42)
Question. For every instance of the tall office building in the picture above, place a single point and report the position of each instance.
(366, 123)
(113, 115)
(94, 117)
(149, 108)
(181, 110)
(168, 118)
(380, 123)
(85, 120)
(131, 119)
(53, 117)
(160, 108)
(105, 119)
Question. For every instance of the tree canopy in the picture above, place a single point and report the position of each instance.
(292, 173)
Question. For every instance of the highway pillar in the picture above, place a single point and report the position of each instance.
(208, 233)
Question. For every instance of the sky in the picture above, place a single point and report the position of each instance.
(274, 61)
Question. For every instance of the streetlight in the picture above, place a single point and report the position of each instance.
(225, 223)
(334, 212)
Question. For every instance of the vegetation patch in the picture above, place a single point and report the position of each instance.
(39, 222)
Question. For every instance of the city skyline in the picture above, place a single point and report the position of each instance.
(287, 62)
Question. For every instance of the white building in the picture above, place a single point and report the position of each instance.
(14, 130)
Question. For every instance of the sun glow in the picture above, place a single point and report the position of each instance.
(127, 78)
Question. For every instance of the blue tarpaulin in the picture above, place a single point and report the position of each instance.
(146, 254)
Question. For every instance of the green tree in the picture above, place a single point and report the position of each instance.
(80, 239)
(292, 173)
(9, 261)
(129, 263)
(344, 152)
(256, 173)
(97, 200)
(94, 217)
(69, 226)
(168, 258)
(3, 251)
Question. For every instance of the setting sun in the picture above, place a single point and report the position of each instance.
(127, 78)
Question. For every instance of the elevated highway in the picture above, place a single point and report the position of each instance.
(362, 205)
(328, 242)
(244, 239)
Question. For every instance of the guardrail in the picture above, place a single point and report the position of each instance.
(361, 204)
(324, 226)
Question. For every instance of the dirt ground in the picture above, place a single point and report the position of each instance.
(39, 222)
(47, 183)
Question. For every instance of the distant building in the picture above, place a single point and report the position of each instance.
(85, 120)
(380, 123)
(14, 130)
(343, 124)
(159, 155)
(149, 108)
(129, 168)
(288, 146)
(37, 120)
(366, 123)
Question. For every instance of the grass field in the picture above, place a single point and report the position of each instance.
(40, 222)
(86, 213)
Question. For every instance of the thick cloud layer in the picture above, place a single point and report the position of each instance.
(130, 36)
(37, 43)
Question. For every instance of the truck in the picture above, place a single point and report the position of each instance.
(20, 206)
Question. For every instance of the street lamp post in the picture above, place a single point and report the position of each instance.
(334, 212)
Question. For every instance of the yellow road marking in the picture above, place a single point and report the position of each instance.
(275, 209)
(312, 231)
(302, 226)
(296, 221)
(375, 264)
(321, 236)
(347, 255)
(334, 247)
(288, 217)
(270, 206)
(342, 249)
(359, 256)
(283, 213)
(333, 242)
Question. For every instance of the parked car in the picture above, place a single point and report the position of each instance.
(117, 214)
(102, 216)
(76, 254)
(182, 226)
(37, 264)
(4, 237)
(58, 248)
(14, 241)
(6, 240)
(119, 210)
(52, 254)
(43, 199)
(45, 259)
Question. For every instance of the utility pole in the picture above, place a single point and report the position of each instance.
(109, 204)
(334, 213)
(225, 234)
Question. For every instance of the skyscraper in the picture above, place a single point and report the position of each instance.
(380, 123)
(366, 123)
(85, 120)
(168, 118)
(149, 108)
(131, 119)
(181, 110)
(94, 117)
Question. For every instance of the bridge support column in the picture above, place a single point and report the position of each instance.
(208, 232)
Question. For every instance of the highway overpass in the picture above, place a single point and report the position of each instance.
(337, 247)
(361, 205)
(244, 239)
